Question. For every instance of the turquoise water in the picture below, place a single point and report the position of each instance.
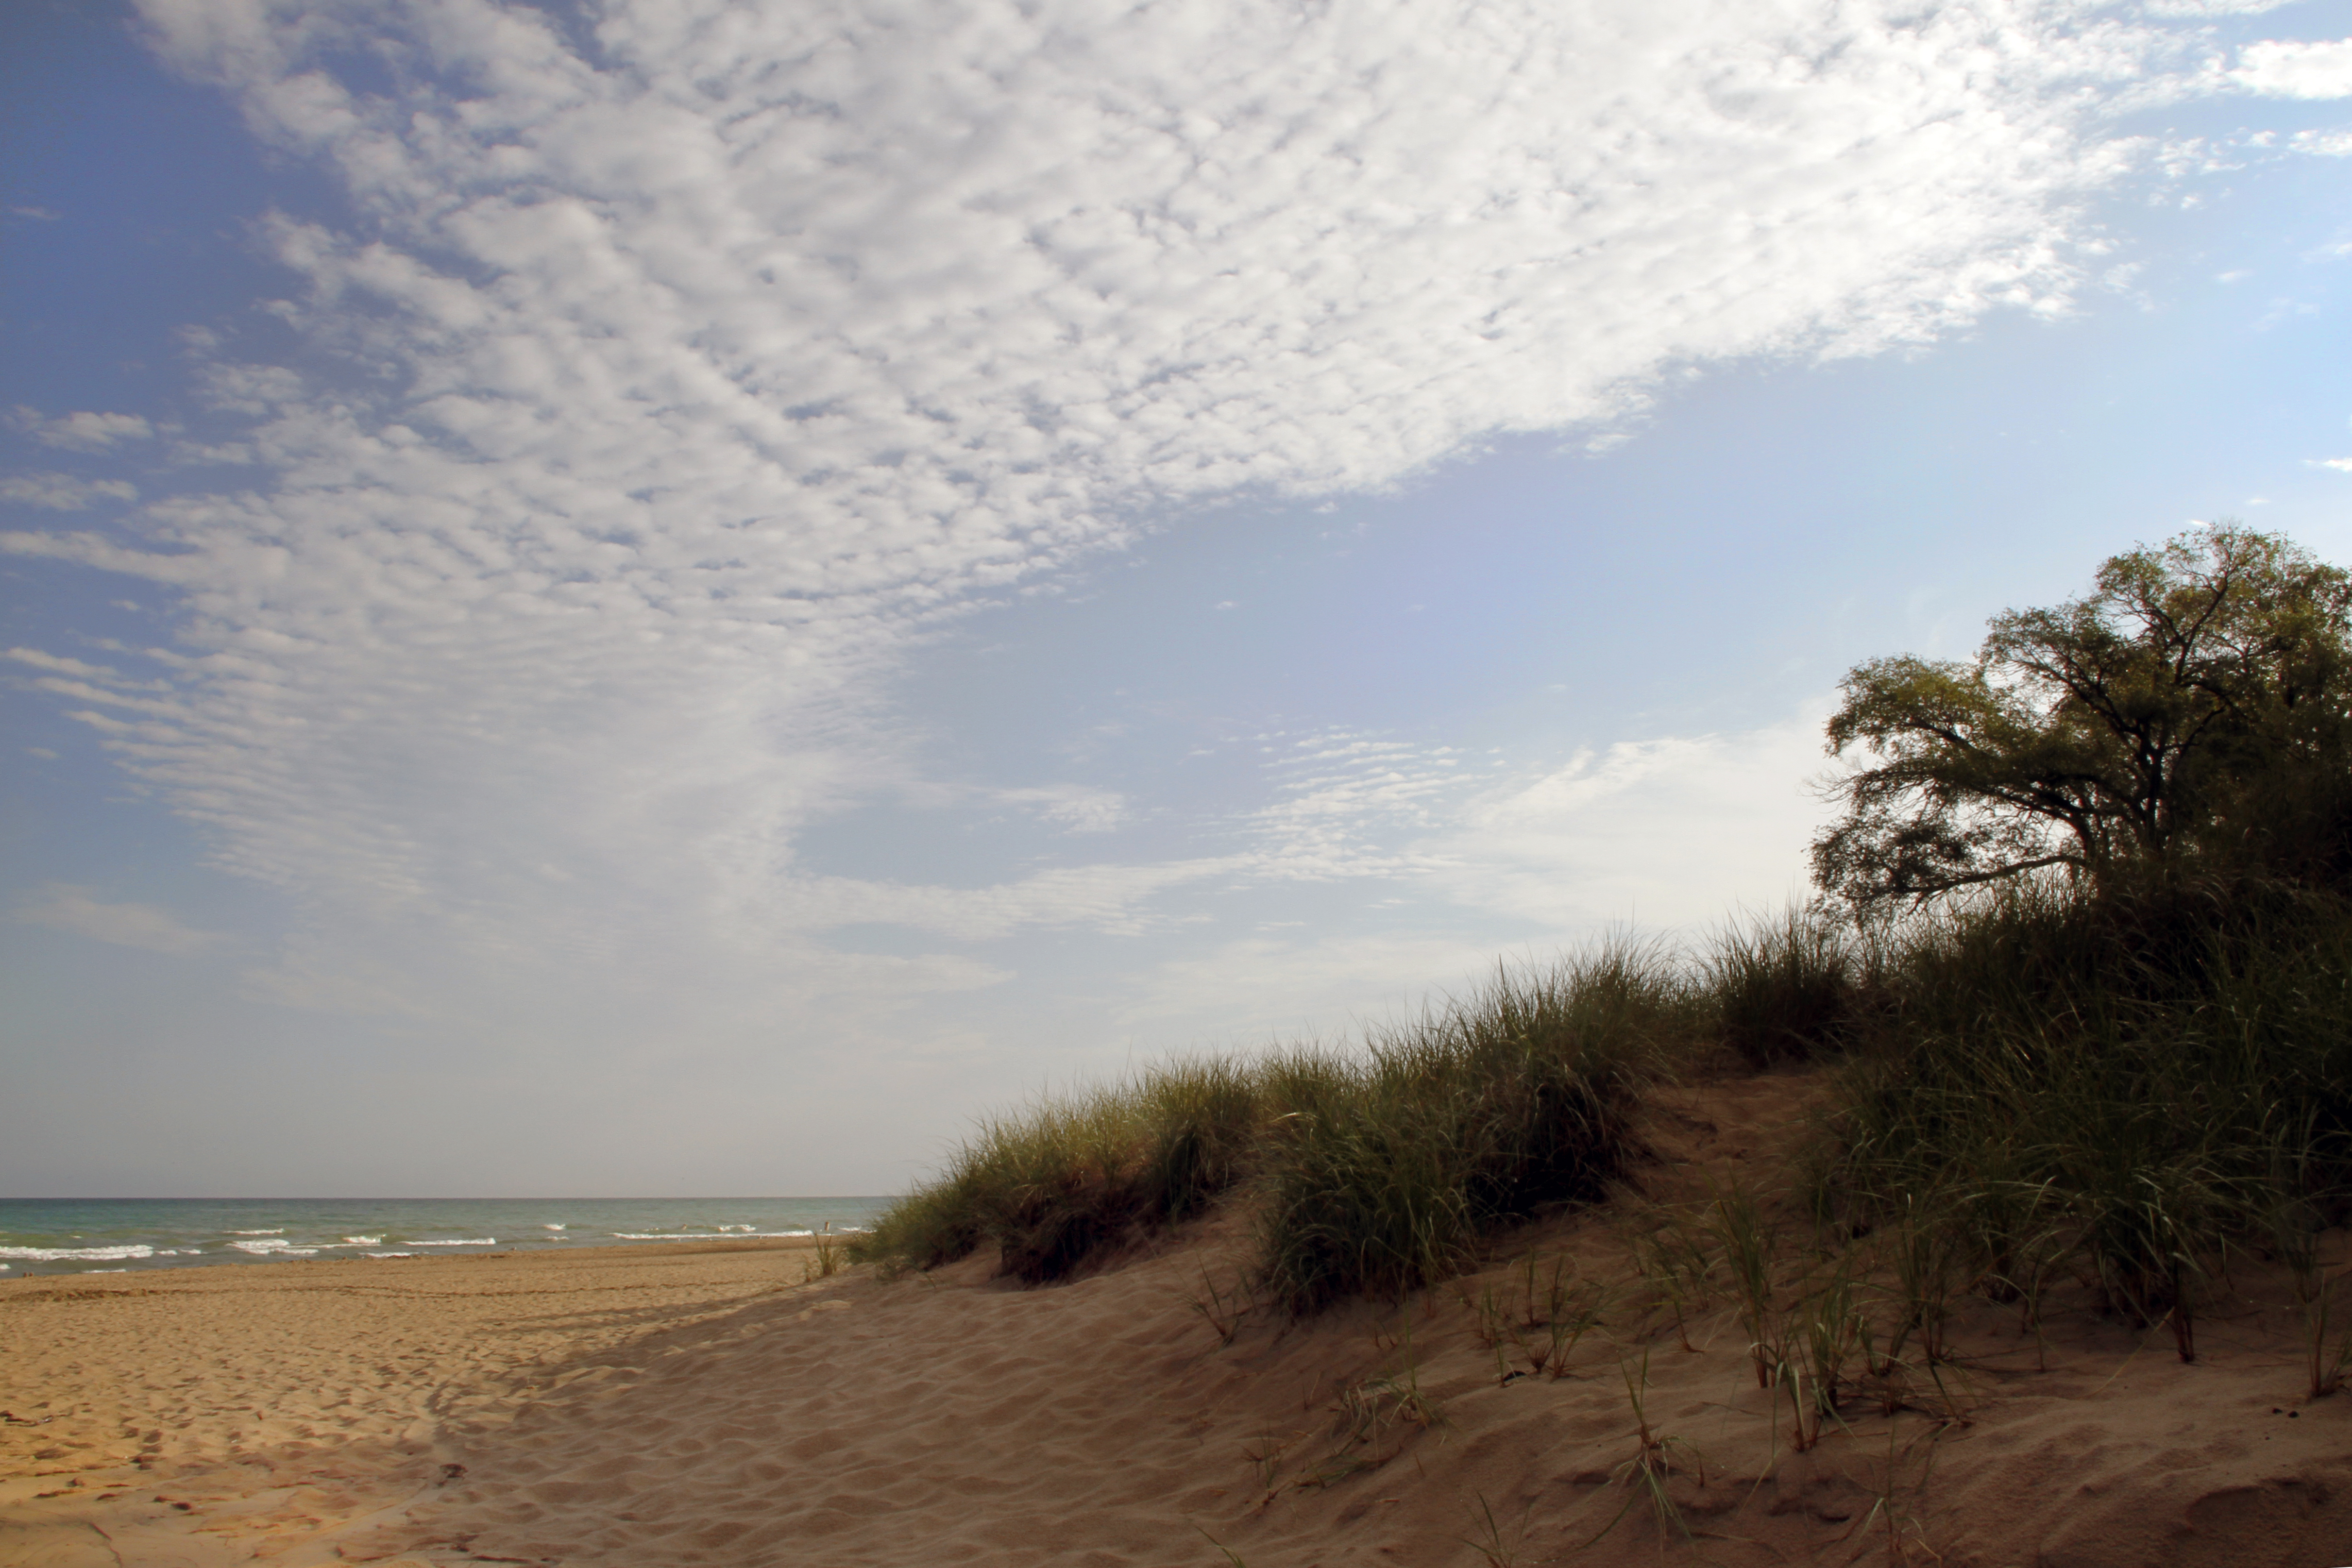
(69, 1236)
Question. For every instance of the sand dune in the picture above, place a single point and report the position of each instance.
(706, 1410)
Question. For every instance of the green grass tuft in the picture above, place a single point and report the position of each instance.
(1785, 990)
(1057, 1184)
(1516, 1098)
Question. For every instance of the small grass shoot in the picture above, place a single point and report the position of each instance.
(1644, 1474)
(827, 1257)
(1488, 1541)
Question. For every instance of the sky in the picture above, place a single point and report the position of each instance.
(676, 597)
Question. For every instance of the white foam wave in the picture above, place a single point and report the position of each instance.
(78, 1254)
(471, 1241)
(361, 1241)
(555, 1228)
(279, 1232)
(272, 1246)
(391, 1254)
(732, 1233)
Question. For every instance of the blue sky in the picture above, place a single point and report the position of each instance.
(671, 599)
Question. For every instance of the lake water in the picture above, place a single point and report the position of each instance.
(58, 1235)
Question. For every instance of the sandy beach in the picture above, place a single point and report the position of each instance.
(704, 1405)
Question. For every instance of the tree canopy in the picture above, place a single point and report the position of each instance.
(2193, 712)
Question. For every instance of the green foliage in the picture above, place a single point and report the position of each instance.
(2194, 712)
(2130, 1069)
(2098, 1021)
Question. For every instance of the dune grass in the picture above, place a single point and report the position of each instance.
(1373, 1171)
(2130, 1089)
(1517, 1099)
(1787, 989)
(1054, 1185)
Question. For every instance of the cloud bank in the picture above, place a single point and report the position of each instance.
(670, 372)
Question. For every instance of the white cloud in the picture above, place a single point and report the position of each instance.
(58, 664)
(1665, 837)
(2343, 465)
(1665, 830)
(688, 378)
(1348, 804)
(2323, 144)
(1078, 807)
(2288, 68)
(63, 492)
(1293, 989)
(1104, 897)
(62, 906)
(82, 432)
(1666, 833)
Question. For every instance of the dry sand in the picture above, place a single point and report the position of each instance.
(653, 1406)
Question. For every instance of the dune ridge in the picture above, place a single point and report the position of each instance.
(714, 1409)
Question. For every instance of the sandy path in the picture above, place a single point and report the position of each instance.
(1101, 1425)
(950, 1419)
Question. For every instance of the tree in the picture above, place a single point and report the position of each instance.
(2193, 712)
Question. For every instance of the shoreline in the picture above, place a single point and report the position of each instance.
(51, 1236)
(683, 1246)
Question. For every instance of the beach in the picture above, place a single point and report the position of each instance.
(707, 1403)
(284, 1402)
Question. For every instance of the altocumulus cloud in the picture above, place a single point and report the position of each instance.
(670, 372)
(61, 906)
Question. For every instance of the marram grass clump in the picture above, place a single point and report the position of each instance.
(1058, 1182)
(1788, 990)
(2126, 1088)
(1375, 1171)
(1518, 1098)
